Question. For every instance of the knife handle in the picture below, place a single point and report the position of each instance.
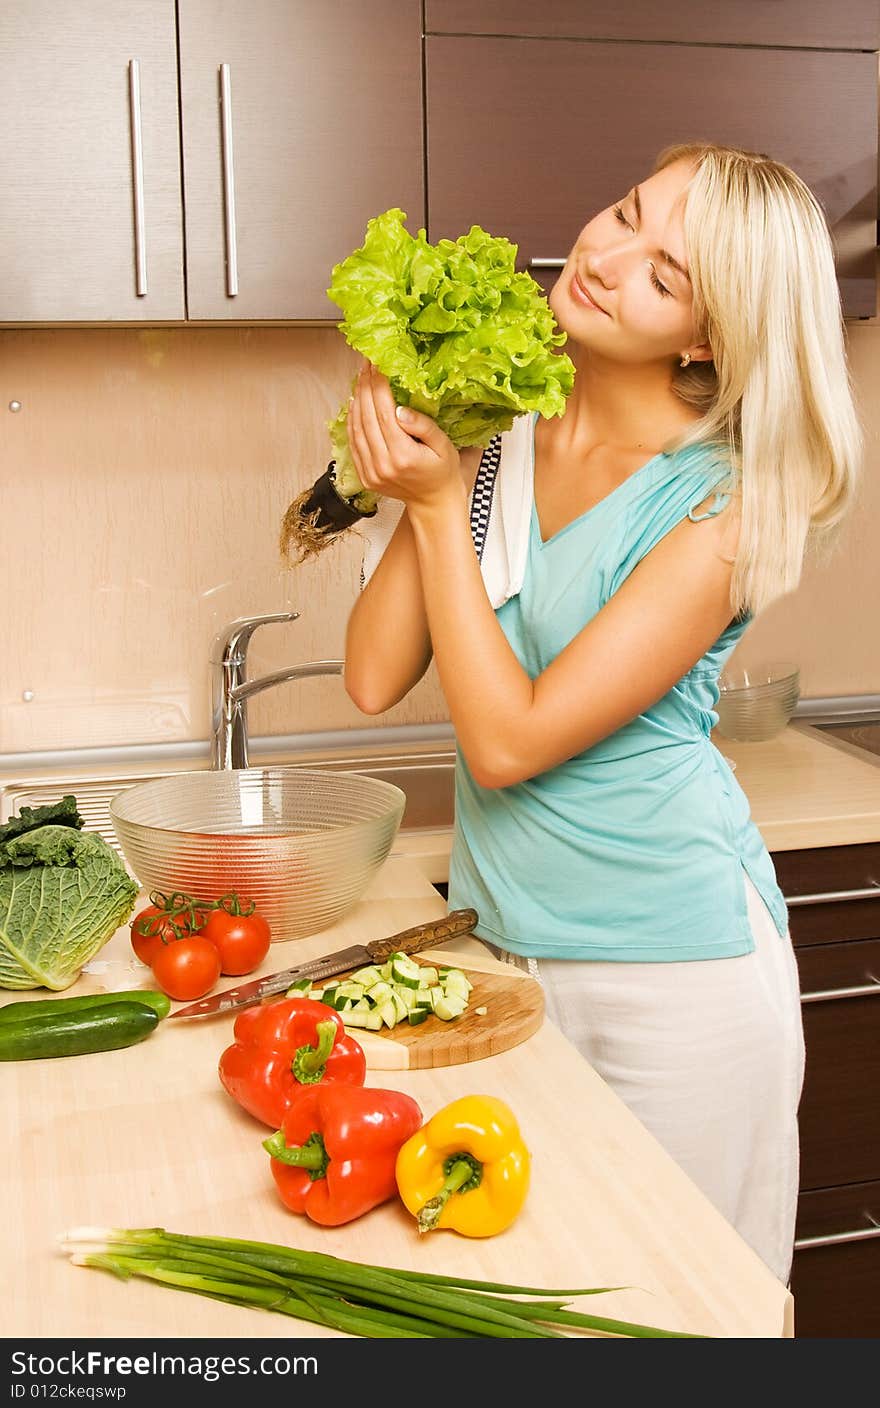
(451, 926)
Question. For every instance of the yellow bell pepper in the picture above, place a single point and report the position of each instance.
(467, 1168)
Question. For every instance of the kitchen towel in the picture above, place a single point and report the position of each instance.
(500, 508)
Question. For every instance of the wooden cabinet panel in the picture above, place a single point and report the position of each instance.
(325, 112)
(836, 1286)
(830, 967)
(836, 1282)
(824, 869)
(843, 871)
(854, 24)
(842, 922)
(839, 1113)
(529, 137)
(67, 162)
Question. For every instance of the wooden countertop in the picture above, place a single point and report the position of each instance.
(807, 789)
(147, 1137)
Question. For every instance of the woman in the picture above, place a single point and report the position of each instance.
(601, 837)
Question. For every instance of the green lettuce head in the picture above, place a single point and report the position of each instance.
(63, 893)
(460, 335)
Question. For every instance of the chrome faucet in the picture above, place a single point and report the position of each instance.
(231, 689)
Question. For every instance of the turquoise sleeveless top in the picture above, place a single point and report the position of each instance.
(636, 849)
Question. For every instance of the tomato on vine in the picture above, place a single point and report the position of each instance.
(241, 936)
(186, 968)
(166, 918)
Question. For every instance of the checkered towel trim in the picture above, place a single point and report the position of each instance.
(484, 488)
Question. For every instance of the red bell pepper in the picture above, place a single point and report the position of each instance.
(283, 1048)
(335, 1154)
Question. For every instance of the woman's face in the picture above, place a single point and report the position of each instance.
(620, 260)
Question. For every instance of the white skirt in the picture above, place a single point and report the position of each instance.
(709, 1056)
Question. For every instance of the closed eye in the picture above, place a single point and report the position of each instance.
(661, 288)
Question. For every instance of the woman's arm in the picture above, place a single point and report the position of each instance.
(669, 612)
(388, 644)
(664, 618)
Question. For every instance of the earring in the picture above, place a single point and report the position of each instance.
(685, 359)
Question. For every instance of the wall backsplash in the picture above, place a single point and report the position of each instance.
(143, 484)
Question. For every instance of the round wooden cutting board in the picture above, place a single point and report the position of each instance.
(514, 1011)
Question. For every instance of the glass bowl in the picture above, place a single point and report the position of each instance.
(757, 702)
(303, 844)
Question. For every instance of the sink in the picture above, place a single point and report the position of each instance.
(864, 734)
(426, 779)
(428, 783)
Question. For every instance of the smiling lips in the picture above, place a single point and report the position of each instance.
(582, 295)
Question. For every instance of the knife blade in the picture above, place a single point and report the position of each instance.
(451, 926)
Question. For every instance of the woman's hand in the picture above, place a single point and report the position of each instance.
(398, 452)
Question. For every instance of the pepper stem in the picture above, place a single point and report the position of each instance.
(309, 1062)
(463, 1172)
(311, 1156)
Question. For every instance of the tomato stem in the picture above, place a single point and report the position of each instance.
(232, 904)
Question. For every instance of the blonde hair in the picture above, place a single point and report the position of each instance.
(777, 393)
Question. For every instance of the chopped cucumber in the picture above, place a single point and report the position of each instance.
(388, 1012)
(370, 1021)
(399, 1007)
(448, 1008)
(400, 990)
(455, 981)
(380, 991)
(301, 985)
(404, 971)
(367, 976)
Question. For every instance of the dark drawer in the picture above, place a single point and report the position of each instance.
(846, 883)
(836, 1283)
(830, 923)
(839, 1113)
(838, 968)
(825, 869)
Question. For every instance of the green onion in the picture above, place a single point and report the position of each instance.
(376, 1302)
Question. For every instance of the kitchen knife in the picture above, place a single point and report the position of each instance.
(451, 926)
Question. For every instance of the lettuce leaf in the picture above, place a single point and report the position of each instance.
(63, 813)
(459, 333)
(63, 894)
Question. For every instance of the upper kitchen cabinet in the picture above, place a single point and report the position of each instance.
(301, 120)
(797, 24)
(530, 137)
(90, 226)
(298, 120)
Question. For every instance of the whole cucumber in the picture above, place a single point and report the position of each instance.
(47, 1007)
(103, 1028)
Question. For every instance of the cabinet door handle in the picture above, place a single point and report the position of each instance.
(228, 181)
(547, 263)
(869, 989)
(137, 165)
(871, 892)
(835, 1239)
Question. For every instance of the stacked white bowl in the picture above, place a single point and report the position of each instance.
(757, 702)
